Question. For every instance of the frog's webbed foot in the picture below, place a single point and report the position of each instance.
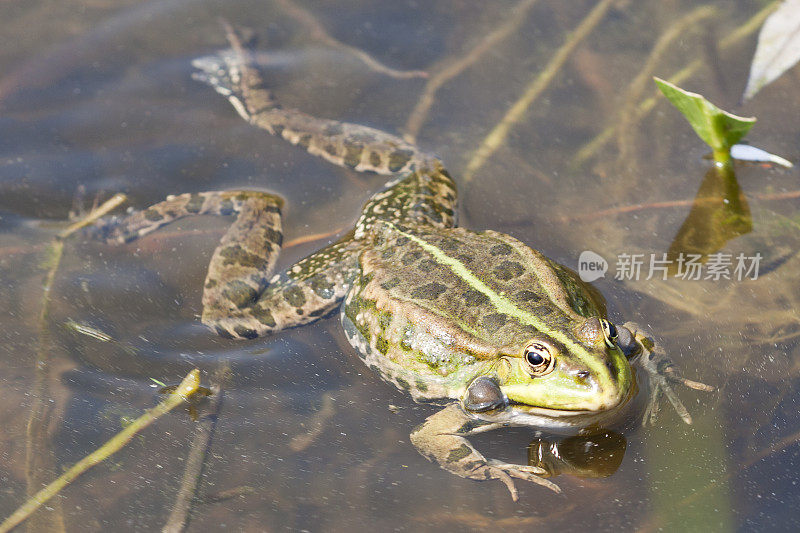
(233, 75)
(662, 374)
(441, 438)
(496, 469)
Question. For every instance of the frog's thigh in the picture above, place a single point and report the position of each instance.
(306, 291)
(245, 257)
(242, 262)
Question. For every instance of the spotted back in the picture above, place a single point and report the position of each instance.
(495, 290)
(424, 197)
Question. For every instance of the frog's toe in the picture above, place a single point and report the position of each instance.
(506, 471)
(659, 384)
(497, 473)
(696, 385)
(663, 374)
(110, 230)
(666, 369)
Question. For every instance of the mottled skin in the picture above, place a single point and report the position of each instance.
(445, 313)
(438, 327)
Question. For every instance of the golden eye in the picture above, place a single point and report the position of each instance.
(609, 332)
(538, 359)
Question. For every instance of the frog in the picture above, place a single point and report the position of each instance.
(476, 322)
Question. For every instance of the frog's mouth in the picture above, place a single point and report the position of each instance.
(546, 411)
(567, 407)
(520, 413)
(562, 421)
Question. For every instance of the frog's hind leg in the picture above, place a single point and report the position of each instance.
(232, 74)
(422, 193)
(119, 230)
(239, 299)
(303, 293)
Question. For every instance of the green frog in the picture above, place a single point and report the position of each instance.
(478, 322)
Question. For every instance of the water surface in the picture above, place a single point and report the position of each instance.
(97, 98)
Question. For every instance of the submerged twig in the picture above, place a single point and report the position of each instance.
(304, 239)
(658, 521)
(593, 146)
(450, 70)
(537, 85)
(106, 207)
(227, 494)
(472, 520)
(204, 431)
(38, 456)
(95, 333)
(315, 426)
(627, 117)
(318, 32)
(187, 387)
(789, 195)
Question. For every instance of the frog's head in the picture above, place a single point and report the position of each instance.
(577, 374)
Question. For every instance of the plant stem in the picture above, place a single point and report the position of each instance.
(537, 85)
(600, 140)
(722, 158)
(39, 458)
(187, 387)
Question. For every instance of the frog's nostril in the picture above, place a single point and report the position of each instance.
(583, 374)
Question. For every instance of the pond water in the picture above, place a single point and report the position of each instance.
(96, 98)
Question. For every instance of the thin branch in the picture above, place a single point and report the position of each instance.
(537, 85)
(318, 32)
(789, 195)
(743, 31)
(187, 387)
(449, 70)
(107, 206)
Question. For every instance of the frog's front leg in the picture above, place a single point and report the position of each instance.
(661, 371)
(239, 298)
(442, 438)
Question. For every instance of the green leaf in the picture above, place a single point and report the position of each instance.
(778, 47)
(718, 128)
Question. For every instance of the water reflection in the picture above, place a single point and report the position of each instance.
(719, 214)
(586, 456)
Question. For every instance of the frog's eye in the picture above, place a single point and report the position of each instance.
(538, 359)
(610, 333)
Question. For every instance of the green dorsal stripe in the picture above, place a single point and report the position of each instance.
(503, 304)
